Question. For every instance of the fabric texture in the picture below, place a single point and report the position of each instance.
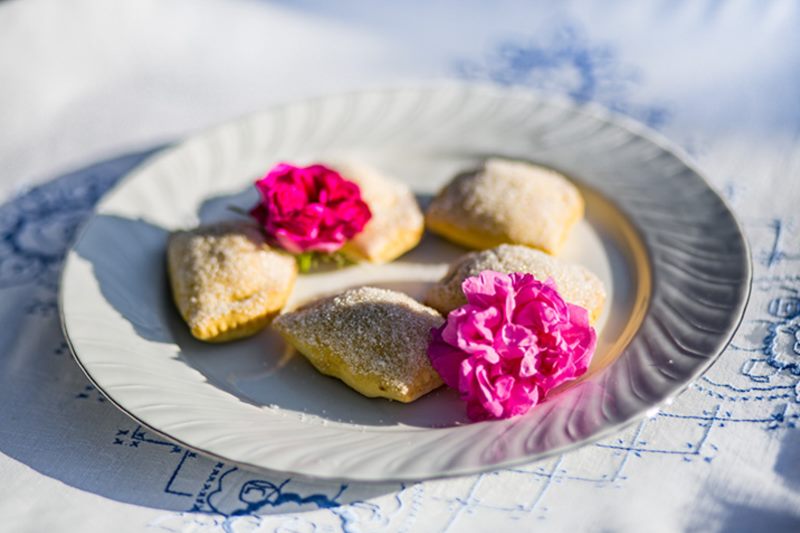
(91, 88)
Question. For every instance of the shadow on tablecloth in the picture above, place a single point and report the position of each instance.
(54, 421)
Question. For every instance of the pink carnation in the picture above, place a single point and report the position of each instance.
(309, 208)
(514, 341)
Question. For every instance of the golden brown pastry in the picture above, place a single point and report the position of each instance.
(226, 281)
(507, 202)
(575, 283)
(375, 340)
(397, 223)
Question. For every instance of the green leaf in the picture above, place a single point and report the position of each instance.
(305, 261)
(308, 261)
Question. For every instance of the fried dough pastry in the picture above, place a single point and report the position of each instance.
(397, 223)
(375, 340)
(226, 281)
(507, 202)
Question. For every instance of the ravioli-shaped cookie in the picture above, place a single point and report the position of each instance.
(507, 202)
(397, 223)
(375, 340)
(576, 284)
(226, 281)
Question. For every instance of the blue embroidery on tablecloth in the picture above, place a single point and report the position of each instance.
(774, 340)
(779, 252)
(37, 227)
(169, 489)
(567, 63)
(89, 392)
(213, 496)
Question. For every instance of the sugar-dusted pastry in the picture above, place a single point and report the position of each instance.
(575, 283)
(375, 340)
(226, 281)
(397, 223)
(507, 202)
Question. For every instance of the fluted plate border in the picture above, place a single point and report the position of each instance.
(699, 262)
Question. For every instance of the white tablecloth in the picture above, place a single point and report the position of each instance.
(88, 88)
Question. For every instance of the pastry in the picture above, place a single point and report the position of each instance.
(226, 281)
(576, 284)
(507, 202)
(397, 223)
(375, 340)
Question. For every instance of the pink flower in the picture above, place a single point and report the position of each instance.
(309, 208)
(512, 342)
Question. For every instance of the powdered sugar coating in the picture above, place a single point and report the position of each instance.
(374, 339)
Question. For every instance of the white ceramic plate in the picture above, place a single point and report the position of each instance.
(668, 249)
